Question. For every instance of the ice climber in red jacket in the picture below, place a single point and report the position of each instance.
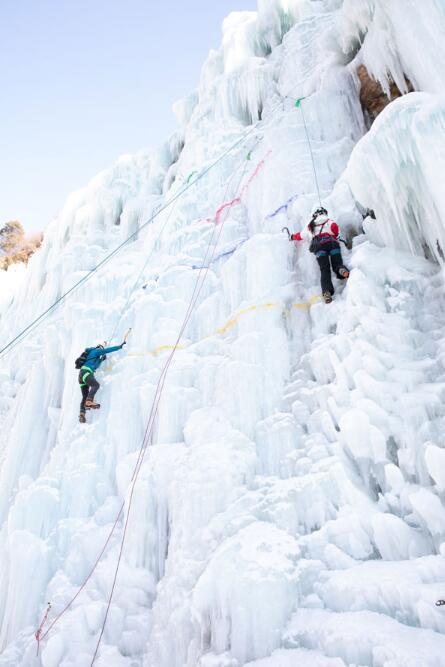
(322, 233)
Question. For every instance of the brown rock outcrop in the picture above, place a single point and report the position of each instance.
(372, 96)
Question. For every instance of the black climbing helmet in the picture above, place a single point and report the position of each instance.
(319, 211)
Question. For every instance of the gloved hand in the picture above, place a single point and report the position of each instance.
(124, 343)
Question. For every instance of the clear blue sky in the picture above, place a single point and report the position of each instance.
(84, 81)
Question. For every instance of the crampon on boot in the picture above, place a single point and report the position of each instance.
(82, 418)
(91, 405)
(327, 297)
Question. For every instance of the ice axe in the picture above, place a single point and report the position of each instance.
(126, 335)
(286, 229)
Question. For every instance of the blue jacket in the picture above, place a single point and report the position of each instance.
(96, 355)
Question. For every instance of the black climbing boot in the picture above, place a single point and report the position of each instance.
(82, 418)
(327, 297)
(91, 405)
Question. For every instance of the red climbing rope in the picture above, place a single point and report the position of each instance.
(38, 632)
(86, 580)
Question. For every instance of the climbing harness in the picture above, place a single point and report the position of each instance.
(85, 375)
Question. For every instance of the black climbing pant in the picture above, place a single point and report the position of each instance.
(88, 386)
(329, 256)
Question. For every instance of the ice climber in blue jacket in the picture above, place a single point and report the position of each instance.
(90, 361)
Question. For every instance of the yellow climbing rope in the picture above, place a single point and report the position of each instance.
(225, 328)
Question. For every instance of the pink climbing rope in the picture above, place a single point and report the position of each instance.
(237, 200)
(223, 207)
(38, 632)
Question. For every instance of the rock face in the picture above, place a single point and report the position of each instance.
(372, 96)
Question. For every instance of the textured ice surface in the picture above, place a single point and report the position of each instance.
(290, 508)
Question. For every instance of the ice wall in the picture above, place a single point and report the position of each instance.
(398, 170)
(382, 32)
(289, 509)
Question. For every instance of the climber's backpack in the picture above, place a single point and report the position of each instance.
(315, 245)
(81, 360)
